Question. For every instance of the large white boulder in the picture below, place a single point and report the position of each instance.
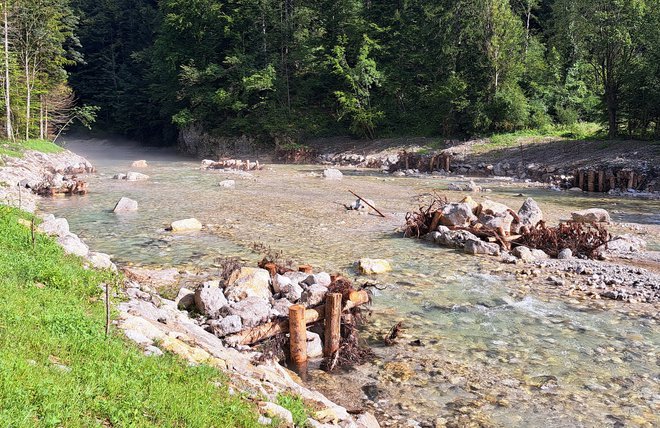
(368, 266)
(457, 215)
(136, 176)
(72, 244)
(591, 215)
(248, 282)
(210, 299)
(54, 227)
(125, 205)
(188, 224)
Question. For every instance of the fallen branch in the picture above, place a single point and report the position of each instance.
(367, 203)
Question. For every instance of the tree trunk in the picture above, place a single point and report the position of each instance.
(612, 126)
(41, 117)
(28, 99)
(8, 124)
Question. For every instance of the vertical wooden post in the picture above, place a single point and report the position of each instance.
(631, 180)
(580, 179)
(297, 334)
(601, 180)
(590, 181)
(332, 323)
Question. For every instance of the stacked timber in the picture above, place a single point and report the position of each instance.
(604, 180)
(422, 162)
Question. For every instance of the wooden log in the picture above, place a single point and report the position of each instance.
(601, 181)
(306, 269)
(591, 178)
(298, 334)
(631, 180)
(271, 268)
(367, 203)
(612, 182)
(580, 182)
(312, 315)
(435, 221)
(332, 323)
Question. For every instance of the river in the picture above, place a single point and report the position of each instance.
(479, 348)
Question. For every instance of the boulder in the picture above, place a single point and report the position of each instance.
(119, 177)
(322, 278)
(101, 261)
(314, 345)
(472, 187)
(280, 282)
(189, 224)
(591, 215)
(185, 300)
(470, 202)
(332, 174)
(539, 254)
(228, 325)
(296, 277)
(280, 308)
(530, 213)
(139, 164)
(248, 282)
(457, 215)
(450, 238)
(292, 292)
(367, 420)
(252, 310)
(136, 176)
(227, 183)
(626, 244)
(272, 410)
(565, 254)
(72, 244)
(473, 246)
(314, 295)
(54, 227)
(523, 253)
(210, 299)
(368, 266)
(125, 205)
(499, 221)
(493, 208)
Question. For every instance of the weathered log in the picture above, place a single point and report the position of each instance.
(298, 336)
(306, 269)
(312, 315)
(332, 323)
(601, 181)
(590, 181)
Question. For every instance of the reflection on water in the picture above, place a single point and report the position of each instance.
(548, 362)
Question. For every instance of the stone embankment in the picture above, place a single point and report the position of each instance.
(157, 324)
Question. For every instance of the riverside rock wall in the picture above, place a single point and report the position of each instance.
(156, 324)
(194, 141)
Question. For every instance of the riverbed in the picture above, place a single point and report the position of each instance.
(479, 348)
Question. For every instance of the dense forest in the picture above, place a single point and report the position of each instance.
(370, 68)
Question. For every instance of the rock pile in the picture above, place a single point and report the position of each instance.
(232, 164)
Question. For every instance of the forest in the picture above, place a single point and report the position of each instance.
(370, 68)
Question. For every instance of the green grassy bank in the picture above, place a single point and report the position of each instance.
(16, 149)
(57, 368)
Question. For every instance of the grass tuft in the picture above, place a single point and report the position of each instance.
(295, 404)
(57, 368)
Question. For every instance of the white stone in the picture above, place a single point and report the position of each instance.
(314, 295)
(210, 299)
(332, 174)
(125, 205)
(228, 325)
(136, 176)
(72, 244)
(591, 215)
(248, 282)
(279, 282)
(314, 345)
(368, 266)
(189, 224)
(477, 246)
(54, 227)
(139, 164)
(227, 183)
(101, 261)
(274, 411)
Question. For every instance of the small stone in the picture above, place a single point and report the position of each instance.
(119, 177)
(523, 253)
(252, 310)
(368, 266)
(139, 164)
(189, 224)
(539, 254)
(125, 205)
(565, 254)
(152, 351)
(314, 345)
(185, 299)
(281, 308)
(332, 174)
(279, 282)
(101, 261)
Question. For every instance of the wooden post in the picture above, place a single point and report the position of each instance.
(580, 179)
(271, 268)
(601, 181)
(297, 334)
(332, 323)
(590, 181)
(306, 269)
(631, 180)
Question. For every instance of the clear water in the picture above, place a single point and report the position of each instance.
(494, 352)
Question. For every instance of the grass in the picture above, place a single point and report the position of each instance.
(16, 149)
(57, 368)
(576, 131)
(300, 411)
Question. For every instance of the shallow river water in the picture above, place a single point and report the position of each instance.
(478, 349)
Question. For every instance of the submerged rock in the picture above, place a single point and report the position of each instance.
(227, 184)
(189, 224)
(368, 266)
(125, 205)
(591, 215)
(450, 238)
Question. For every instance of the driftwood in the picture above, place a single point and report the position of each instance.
(312, 315)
